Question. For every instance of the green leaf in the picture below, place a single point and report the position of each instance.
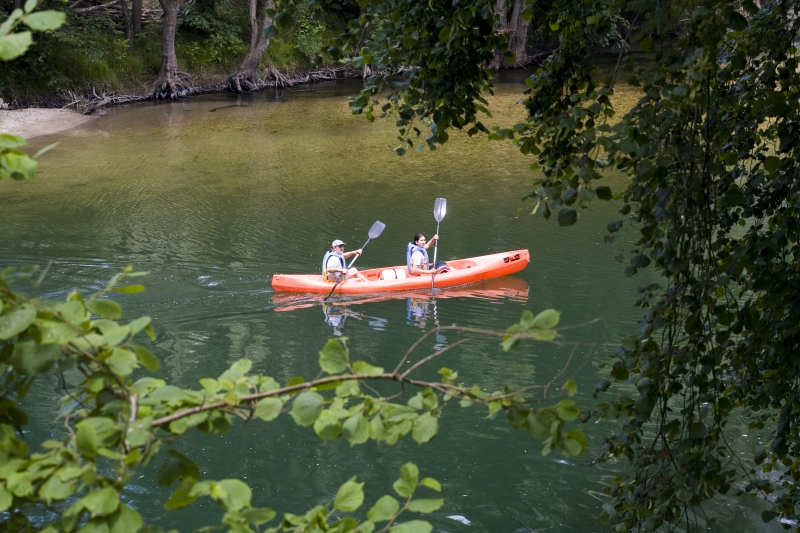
(268, 408)
(9, 141)
(6, 499)
(100, 501)
(547, 319)
(19, 165)
(415, 526)
(19, 483)
(122, 361)
(407, 483)
(177, 467)
(146, 357)
(306, 408)
(333, 357)
(54, 489)
(425, 506)
(537, 425)
(544, 334)
(425, 428)
(431, 484)
(258, 516)
(567, 217)
(349, 497)
(737, 21)
(14, 45)
(603, 192)
(54, 332)
(327, 426)
(45, 20)
(567, 410)
(33, 359)
(571, 387)
(183, 495)
(86, 437)
(104, 308)
(129, 289)
(356, 429)
(574, 444)
(768, 516)
(95, 525)
(270, 32)
(125, 520)
(237, 494)
(384, 509)
(527, 319)
(16, 321)
(771, 164)
(364, 368)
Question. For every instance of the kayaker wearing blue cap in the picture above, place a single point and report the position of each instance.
(334, 264)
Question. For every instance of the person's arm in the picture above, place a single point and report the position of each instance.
(350, 253)
(419, 271)
(433, 240)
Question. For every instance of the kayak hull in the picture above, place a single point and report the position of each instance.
(463, 271)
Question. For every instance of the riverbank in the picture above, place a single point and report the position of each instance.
(33, 122)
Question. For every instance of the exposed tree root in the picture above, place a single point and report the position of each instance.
(173, 85)
(243, 81)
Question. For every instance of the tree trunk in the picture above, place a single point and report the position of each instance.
(17, 5)
(170, 83)
(128, 23)
(246, 76)
(518, 36)
(501, 11)
(516, 31)
(136, 17)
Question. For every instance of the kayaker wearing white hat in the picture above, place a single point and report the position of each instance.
(334, 264)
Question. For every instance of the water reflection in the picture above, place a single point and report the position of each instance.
(510, 288)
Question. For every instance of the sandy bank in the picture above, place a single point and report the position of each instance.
(33, 122)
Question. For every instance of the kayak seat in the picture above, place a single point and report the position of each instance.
(392, 273)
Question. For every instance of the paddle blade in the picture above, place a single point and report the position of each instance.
(439, 209)
(376, 229)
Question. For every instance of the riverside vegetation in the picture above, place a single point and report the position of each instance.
(711, 149)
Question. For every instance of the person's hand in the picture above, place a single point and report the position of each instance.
(359, 251)
(434, 238)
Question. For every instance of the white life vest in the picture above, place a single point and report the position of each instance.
(333, 276)
(416, 248)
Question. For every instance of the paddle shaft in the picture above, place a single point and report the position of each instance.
(348, 269)
(435, 249)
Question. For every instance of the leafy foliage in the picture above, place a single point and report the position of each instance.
(711, 151)
(14, 163)
(130, 422)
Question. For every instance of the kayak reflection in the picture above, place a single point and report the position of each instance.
(420, 305)
(336, 315)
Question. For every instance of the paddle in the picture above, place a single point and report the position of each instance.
(374, 233)
(439, 210)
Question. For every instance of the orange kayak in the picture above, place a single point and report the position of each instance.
(390, 279)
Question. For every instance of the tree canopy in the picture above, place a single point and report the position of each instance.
(711, 150)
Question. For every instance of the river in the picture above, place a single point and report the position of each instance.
(214, 195)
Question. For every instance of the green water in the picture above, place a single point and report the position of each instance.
(214, 195)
